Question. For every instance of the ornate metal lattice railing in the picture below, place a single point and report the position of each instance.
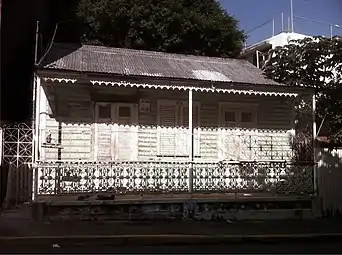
(56, 178)
(17, 142)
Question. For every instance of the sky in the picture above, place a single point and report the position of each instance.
(252, 13)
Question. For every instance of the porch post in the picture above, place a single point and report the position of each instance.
(314, 134)
(191, 144)
(36, 136)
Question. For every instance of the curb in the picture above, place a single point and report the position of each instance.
(165, 239)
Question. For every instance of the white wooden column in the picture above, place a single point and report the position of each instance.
(191, 143)
(36, 146)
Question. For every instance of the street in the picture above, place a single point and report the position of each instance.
(277, 248)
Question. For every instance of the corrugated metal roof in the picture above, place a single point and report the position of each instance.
(98, 59)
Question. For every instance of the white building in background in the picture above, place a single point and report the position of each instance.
(257, 53)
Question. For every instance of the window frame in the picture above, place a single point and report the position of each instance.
(114, 112)
(238, 109)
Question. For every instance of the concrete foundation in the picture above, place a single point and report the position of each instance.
(173, 209)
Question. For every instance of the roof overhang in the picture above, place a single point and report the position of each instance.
(98, 80)
(212, 88)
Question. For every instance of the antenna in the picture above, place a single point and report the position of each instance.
(292, 25)
(273, 27)
(37, 42)
(282, 22)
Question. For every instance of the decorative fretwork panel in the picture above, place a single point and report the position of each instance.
(17, 144)
(170, 177)
(238, 144)
(275, 177)
(125, 177)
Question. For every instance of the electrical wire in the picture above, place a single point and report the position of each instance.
(50, 46)
(261, 25)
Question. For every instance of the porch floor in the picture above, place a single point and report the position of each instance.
(103, 198)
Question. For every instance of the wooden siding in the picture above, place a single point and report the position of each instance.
(72, 119)
(70, 123)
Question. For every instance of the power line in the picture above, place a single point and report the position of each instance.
(318, 21)
(261, 25)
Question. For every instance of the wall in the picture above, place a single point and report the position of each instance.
(284, 38)
(74, 135)
(329, 177)
(71, 136)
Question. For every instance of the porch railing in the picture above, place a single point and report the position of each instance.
(272, 177)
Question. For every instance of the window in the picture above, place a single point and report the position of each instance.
(124, 112)
(238, 115)
(104, 111)
(246, 117)
(115, 112)
(229, 116)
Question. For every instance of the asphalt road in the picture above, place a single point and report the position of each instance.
(277, 248)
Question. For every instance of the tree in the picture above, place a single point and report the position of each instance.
(313, 62)
(200, 27)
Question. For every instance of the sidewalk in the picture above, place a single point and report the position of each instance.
(20, 227)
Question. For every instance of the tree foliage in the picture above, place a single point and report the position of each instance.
(313, 62)
(199, 27)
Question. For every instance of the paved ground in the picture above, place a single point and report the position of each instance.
(251, 248)
(12, 226)
(20, 234)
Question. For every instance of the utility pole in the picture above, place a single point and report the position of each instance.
(36, 43)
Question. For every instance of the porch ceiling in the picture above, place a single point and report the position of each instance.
(128, 62)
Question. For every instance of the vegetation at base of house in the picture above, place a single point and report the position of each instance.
(199, 27)
(313, 62)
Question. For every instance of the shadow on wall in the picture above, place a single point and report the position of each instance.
(330, 180)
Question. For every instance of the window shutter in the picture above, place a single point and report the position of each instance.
(167, 112)
(103, 133)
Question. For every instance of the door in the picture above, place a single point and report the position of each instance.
(104, 132)
(126, 132)
(116, 132)
(167, 128)
(229, 138)
(238, 138)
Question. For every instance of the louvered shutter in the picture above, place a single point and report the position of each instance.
(104, 135)
(167, 115)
